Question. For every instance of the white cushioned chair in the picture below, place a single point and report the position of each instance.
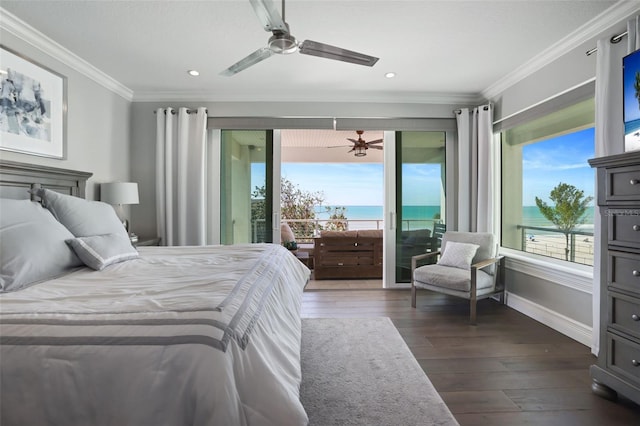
(468, 267)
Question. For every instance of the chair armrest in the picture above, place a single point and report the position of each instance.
(415, 259)
(484, 263)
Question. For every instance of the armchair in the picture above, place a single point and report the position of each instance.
(468, 267)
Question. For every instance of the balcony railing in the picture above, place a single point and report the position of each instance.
(551, 242)
(306, 229)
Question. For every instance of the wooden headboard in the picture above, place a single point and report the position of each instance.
(17, 178)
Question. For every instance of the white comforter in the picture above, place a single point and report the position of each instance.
(181, 336)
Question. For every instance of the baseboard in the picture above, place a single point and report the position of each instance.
(577, 331)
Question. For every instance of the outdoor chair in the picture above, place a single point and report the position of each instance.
(467, 267)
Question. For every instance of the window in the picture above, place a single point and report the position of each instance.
(548, 154)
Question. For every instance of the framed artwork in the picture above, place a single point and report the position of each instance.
(33, 107)
(631, 105)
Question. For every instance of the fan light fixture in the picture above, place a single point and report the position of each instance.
(282, 42)
(360, 151)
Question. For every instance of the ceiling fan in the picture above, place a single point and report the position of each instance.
(360, 146)
(283, 42)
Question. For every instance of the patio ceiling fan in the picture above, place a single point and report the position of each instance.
(360, 146)
(283, 42)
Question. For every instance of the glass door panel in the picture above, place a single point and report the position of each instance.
(420, 195)
(246, 186)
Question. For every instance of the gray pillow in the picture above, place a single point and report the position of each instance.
(32, 245)
(458, 255)
(83, 218)
(100, 251)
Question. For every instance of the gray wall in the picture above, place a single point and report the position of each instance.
(98, 124)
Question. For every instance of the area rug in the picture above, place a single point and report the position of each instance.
(361, 372)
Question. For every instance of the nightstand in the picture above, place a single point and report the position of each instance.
(147, 241)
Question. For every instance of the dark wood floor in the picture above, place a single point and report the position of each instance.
(507, 370)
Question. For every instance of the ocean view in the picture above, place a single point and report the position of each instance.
(531, 215)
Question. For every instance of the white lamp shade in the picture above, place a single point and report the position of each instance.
(119, 193)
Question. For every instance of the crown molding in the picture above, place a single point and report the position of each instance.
(604, 21)
(30, 35)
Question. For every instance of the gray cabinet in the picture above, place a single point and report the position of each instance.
(618, 367)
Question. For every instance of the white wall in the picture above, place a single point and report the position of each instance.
(98, 124)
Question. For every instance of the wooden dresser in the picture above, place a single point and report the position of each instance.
(618, 367)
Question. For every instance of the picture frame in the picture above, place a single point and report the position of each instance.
(631, 100)
(33, 107)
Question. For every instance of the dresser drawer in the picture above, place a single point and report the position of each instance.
(624, 227)
(623, 357)
(623, 271)
(624, 314)
(623, 184)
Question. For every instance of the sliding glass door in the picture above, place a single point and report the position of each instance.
(247, 186)
(416, 198)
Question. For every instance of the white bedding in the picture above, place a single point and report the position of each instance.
(180, 336)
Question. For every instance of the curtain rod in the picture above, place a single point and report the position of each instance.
(189, 111)
(459, 111)
(615, 39)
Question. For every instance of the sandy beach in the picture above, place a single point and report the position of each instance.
(554, 246)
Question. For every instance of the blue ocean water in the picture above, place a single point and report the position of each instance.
(530, 214)
(375, 212)
(631, 126)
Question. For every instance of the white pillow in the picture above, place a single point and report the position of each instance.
(82, 217)
(458, 255)
(100, 251)
(32, 245)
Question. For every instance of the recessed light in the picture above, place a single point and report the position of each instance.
(193, 73)
(390, 74)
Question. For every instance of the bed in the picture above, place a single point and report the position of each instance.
(167, 336)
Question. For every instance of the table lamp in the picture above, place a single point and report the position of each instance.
(117, 194)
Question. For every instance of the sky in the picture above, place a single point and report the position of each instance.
(545, 165)
(357, 184)
(631, 67)
(561, 159)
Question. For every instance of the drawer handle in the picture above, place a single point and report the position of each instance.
(634, 181)
(636, 227)
(635, 317)
(635, 363)
(636, 273)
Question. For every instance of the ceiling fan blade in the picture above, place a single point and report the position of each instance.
(376, 141)
(269, 15)
(375, 147)
(322, 50)
(257, 56)
(352, 140)
(338, 146)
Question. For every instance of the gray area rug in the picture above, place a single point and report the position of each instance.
(361, 372)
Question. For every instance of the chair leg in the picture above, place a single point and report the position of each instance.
(413, 295)
(472, 311)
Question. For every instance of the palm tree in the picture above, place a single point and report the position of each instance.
(569, 209)
(636, 86)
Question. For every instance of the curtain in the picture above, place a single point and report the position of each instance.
(181, 176)
(609, 131)
(476, 170)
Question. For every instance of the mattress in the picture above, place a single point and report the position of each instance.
(180, 336)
